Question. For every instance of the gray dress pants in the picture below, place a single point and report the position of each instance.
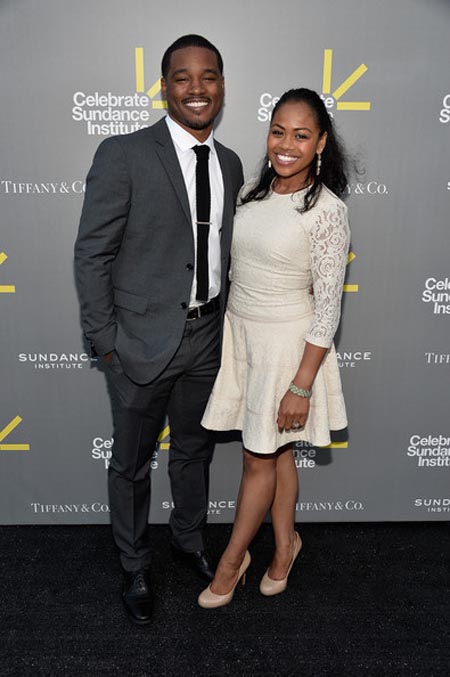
(181, 391)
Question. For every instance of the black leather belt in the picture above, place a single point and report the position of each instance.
(205, 309)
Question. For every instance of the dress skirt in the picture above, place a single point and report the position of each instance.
(259, 360)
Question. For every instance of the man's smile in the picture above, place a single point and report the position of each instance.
(196, 103)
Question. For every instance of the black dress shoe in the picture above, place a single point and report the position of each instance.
(137, 595)
(196, 561)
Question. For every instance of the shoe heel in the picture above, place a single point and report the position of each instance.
(209, 600)
(269, 586)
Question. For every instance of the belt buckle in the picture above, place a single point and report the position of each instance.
(205, 309)
(194, 314)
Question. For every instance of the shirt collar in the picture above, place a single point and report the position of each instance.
(185, 141)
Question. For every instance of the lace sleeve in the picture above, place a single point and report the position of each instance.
(329, 243)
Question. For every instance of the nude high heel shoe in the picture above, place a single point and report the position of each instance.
(269, 586)
(209, 600)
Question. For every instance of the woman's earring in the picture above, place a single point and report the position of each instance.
(269, 164)
(318, 164)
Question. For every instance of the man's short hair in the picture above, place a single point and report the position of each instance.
(189, 41)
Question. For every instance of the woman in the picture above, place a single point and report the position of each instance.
(279, 380)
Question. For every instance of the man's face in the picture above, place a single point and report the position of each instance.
(194, 89)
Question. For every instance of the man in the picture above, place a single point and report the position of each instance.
(152, 284)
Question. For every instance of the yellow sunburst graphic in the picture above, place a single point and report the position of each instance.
(164, 437)
(140, 80)
(344, 86)
(6, 288)
(351, 287)
(7, 430)
(336, 445)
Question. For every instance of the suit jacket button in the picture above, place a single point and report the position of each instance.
(189, 266)
(183, 305)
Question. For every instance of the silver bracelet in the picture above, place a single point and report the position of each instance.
(301, 392)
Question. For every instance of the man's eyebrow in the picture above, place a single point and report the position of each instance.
(206, 70)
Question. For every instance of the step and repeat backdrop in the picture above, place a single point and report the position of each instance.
(74, 73)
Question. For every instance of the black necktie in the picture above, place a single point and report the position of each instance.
(203, 193)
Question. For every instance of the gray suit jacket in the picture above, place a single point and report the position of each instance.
(134, 253)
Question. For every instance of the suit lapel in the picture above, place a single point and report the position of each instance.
(228, 202)
(168, 156)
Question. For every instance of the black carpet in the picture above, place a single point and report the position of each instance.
(363, 599)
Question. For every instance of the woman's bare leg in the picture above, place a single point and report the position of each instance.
(283, 513)
(256, 495)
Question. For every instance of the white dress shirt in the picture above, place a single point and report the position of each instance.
(184, 142)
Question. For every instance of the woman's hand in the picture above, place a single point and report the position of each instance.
(292, 412)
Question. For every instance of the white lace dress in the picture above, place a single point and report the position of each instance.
(276, 255)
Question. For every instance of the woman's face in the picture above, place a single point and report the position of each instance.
(294, 140)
